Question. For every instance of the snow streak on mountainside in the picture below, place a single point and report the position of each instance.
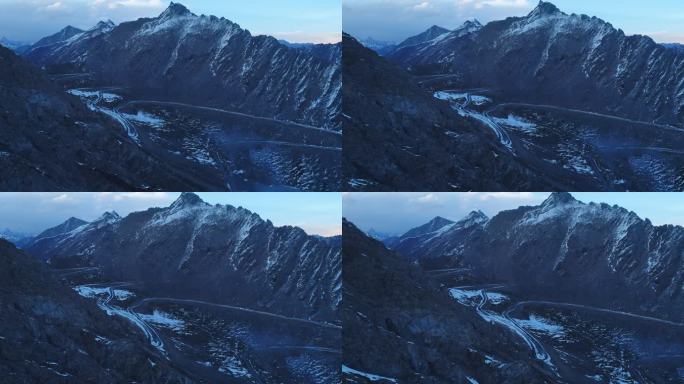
(205, 59)
(218, 253)
(550, 57)
(564, 249)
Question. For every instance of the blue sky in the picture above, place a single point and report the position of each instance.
(294, 20)
(395, 20)
(395, 213)
(316, 213)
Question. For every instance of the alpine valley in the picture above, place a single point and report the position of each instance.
(562, 292)
(190, 293)
(174, 102)
(548, 101)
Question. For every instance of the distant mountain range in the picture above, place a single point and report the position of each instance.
(562, 249)
(203, 59)
(218, 253)
(16, 46)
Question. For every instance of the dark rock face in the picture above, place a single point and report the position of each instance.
(49, 334)
(549, 57)
(563, 249)
(218, 253)
(50, 141)
(398, 137)
(207, 60)
(399, 324)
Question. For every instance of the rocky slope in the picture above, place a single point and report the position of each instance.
(398, 137)
(64, 34)
(398, 324)
(218, 253)
(204, 60)
(50, 141)
(49, 334)
(564, 249)
(549, 57)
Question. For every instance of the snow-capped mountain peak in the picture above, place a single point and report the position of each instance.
(544, 8)
(559, 198)
(175, 10)
(187, 199)
(104, 25)
(109, 217)
(474, 217)
(473, 24)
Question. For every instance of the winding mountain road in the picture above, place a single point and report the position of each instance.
(595, 309)
(149, 332)
(233, 113)
(232, 307)
(507, 321)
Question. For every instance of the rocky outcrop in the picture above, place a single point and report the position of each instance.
(48, 334)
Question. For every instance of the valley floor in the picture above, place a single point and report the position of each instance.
(219, 343)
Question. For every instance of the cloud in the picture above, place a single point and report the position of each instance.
(479, 4)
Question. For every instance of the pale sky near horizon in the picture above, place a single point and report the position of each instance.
(395, 213)
(318, 21)
(395, 20)
(316, 213)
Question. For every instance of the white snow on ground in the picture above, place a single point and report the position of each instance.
(456, 96)
(368, 376)
(468, 297)
(89, 292)
(357, 183)
(163, 319)
(573, 159)
(199, 151)
(231, 365)
(471, 380)
(106, 96)
(92, 292)
(480, 100)
(496, 298)
(540, 324)
(450, 96)
(102, 339)
(145, 118)
(465, 297)
(517, 122)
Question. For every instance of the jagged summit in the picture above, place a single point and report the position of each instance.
(472, 23)
(187, 199)
(476, 216)
(104, 24)
(109, 217)
(176, 10)
(544, 8)
(559, 198)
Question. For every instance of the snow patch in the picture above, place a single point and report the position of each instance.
(145, 118)
(367, 375)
